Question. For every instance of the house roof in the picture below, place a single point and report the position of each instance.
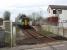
(58, 7)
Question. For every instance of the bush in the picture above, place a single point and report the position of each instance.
(44, 32)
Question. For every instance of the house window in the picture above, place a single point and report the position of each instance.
(59, 11)
(54, 12)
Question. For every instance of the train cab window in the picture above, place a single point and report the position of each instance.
(26, 22)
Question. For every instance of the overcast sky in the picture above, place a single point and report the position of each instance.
(27, 6)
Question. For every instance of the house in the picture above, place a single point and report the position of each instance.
(59, 11)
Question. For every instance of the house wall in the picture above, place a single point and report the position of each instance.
(53, 20)
(63, 16)
(50, 12)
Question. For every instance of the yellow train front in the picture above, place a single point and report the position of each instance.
(23, 22)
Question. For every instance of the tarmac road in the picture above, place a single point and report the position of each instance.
(61, 46)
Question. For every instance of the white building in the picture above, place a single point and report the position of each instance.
(58, 11)
(61, 12)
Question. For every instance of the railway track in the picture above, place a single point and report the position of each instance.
(45, 36)
(37, 36)
(26, 33)
(33, 37)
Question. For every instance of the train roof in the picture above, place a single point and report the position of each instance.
(23, 16)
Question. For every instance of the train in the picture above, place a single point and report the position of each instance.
(23, 22)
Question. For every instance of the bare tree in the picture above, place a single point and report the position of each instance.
(6, 15)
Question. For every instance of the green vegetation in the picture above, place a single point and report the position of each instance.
(47, 33)
(44, 32)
